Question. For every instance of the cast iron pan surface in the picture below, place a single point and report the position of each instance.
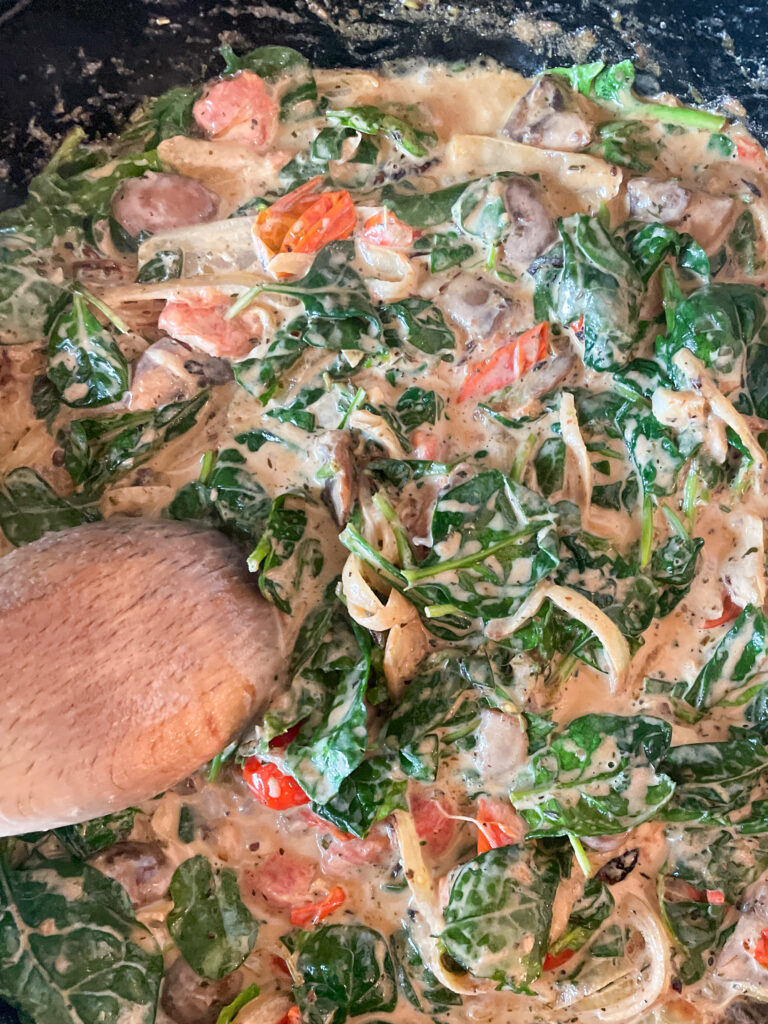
(88, 62)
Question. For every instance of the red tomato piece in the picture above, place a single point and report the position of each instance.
(551, 962)
(286, 738)
(274, 223)
(313, 913)
(433, 827)
(715, 897)
(507, 364)
(272, 787)
(279, 965)
(731, 611)
(292, 1017)
(761, 948)
(330, 218)
(385, 228)
(238, 108)
(500, 825)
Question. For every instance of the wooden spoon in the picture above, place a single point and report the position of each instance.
(131, 652)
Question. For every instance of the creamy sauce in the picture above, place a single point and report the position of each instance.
(468, 111)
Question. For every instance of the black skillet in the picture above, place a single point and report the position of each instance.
(66, 62)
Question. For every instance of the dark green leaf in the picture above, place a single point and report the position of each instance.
(30, 508)
(373, 121)
(84, 361)
(84, 840)
(422, 209)
(419, 323)
(71, 950)
(366, 796)
(209, 922)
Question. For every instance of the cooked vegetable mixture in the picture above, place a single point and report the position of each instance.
(475, 371)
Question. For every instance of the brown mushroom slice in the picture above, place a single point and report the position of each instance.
(532, 230)
(161, 202)
(169, 371)
(189, 999)
(652, 200)
(474, 304)
(333, 448)
(547, 116)
(142, 869)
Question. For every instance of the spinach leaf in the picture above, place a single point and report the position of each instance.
(417, 982)
(230, 498)
(286, 551)
(481, 212)
(589, 275)
(489, 524)
(210, 924)
(165, 265)
(366, 796)
(654, 454)
(549, 463)
(83, 840)
(415, 406)
(756, 375)
(598, 776)
(30, 508)
(419, 323)
(712, 779)
(71, 949)
(297, 412)
(673, 568)
(736, 659)
(742, 242)
(438, 708)
(445, 250)
(587, 914)
(649, 244)
(327, 696)
(98, 451)
(84, 362)
(422, 209)
(161, 118)
(67, 197)
(499, 913)
(45, 400)
(627, 144)
(716, 322)
(27, 299)
(279, 64)
(694, 925)
(370, 120)
(332, 290)
(346, 971)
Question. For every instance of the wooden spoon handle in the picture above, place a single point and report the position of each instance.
(131, 652)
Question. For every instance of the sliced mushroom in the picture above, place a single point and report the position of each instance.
(709, 219)
(474, 304)
(548, 117)
(652, 200)
(161, 202)
(532, 230)
(334, 448)
(169, 371)
(142, 869)
(189, 999)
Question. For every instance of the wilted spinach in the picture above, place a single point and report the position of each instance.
(284, 554)
(29, 507)
(372, 121)
(90, 837)
(71, 949)
(366, 796)
(599, 776)
(210, 924)
(346, 971)
(84, 362)
(499, 913)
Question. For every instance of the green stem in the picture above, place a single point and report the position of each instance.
(404, 554)
(243, 302)
(97, 303)
(646, 537)
(354, 404)
(580, 854)
(675, 522)
(522, 458)
(354, 541)
(207, 462)
(437, 611)
(687, 116)
(415, 575)
(691, 492)
(629, 392)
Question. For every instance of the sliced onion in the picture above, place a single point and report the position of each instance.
(362, 603)
(377, 429)
(702, 381)
(424, 898)
(617, 992)
(389, 275)
(578, 607)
